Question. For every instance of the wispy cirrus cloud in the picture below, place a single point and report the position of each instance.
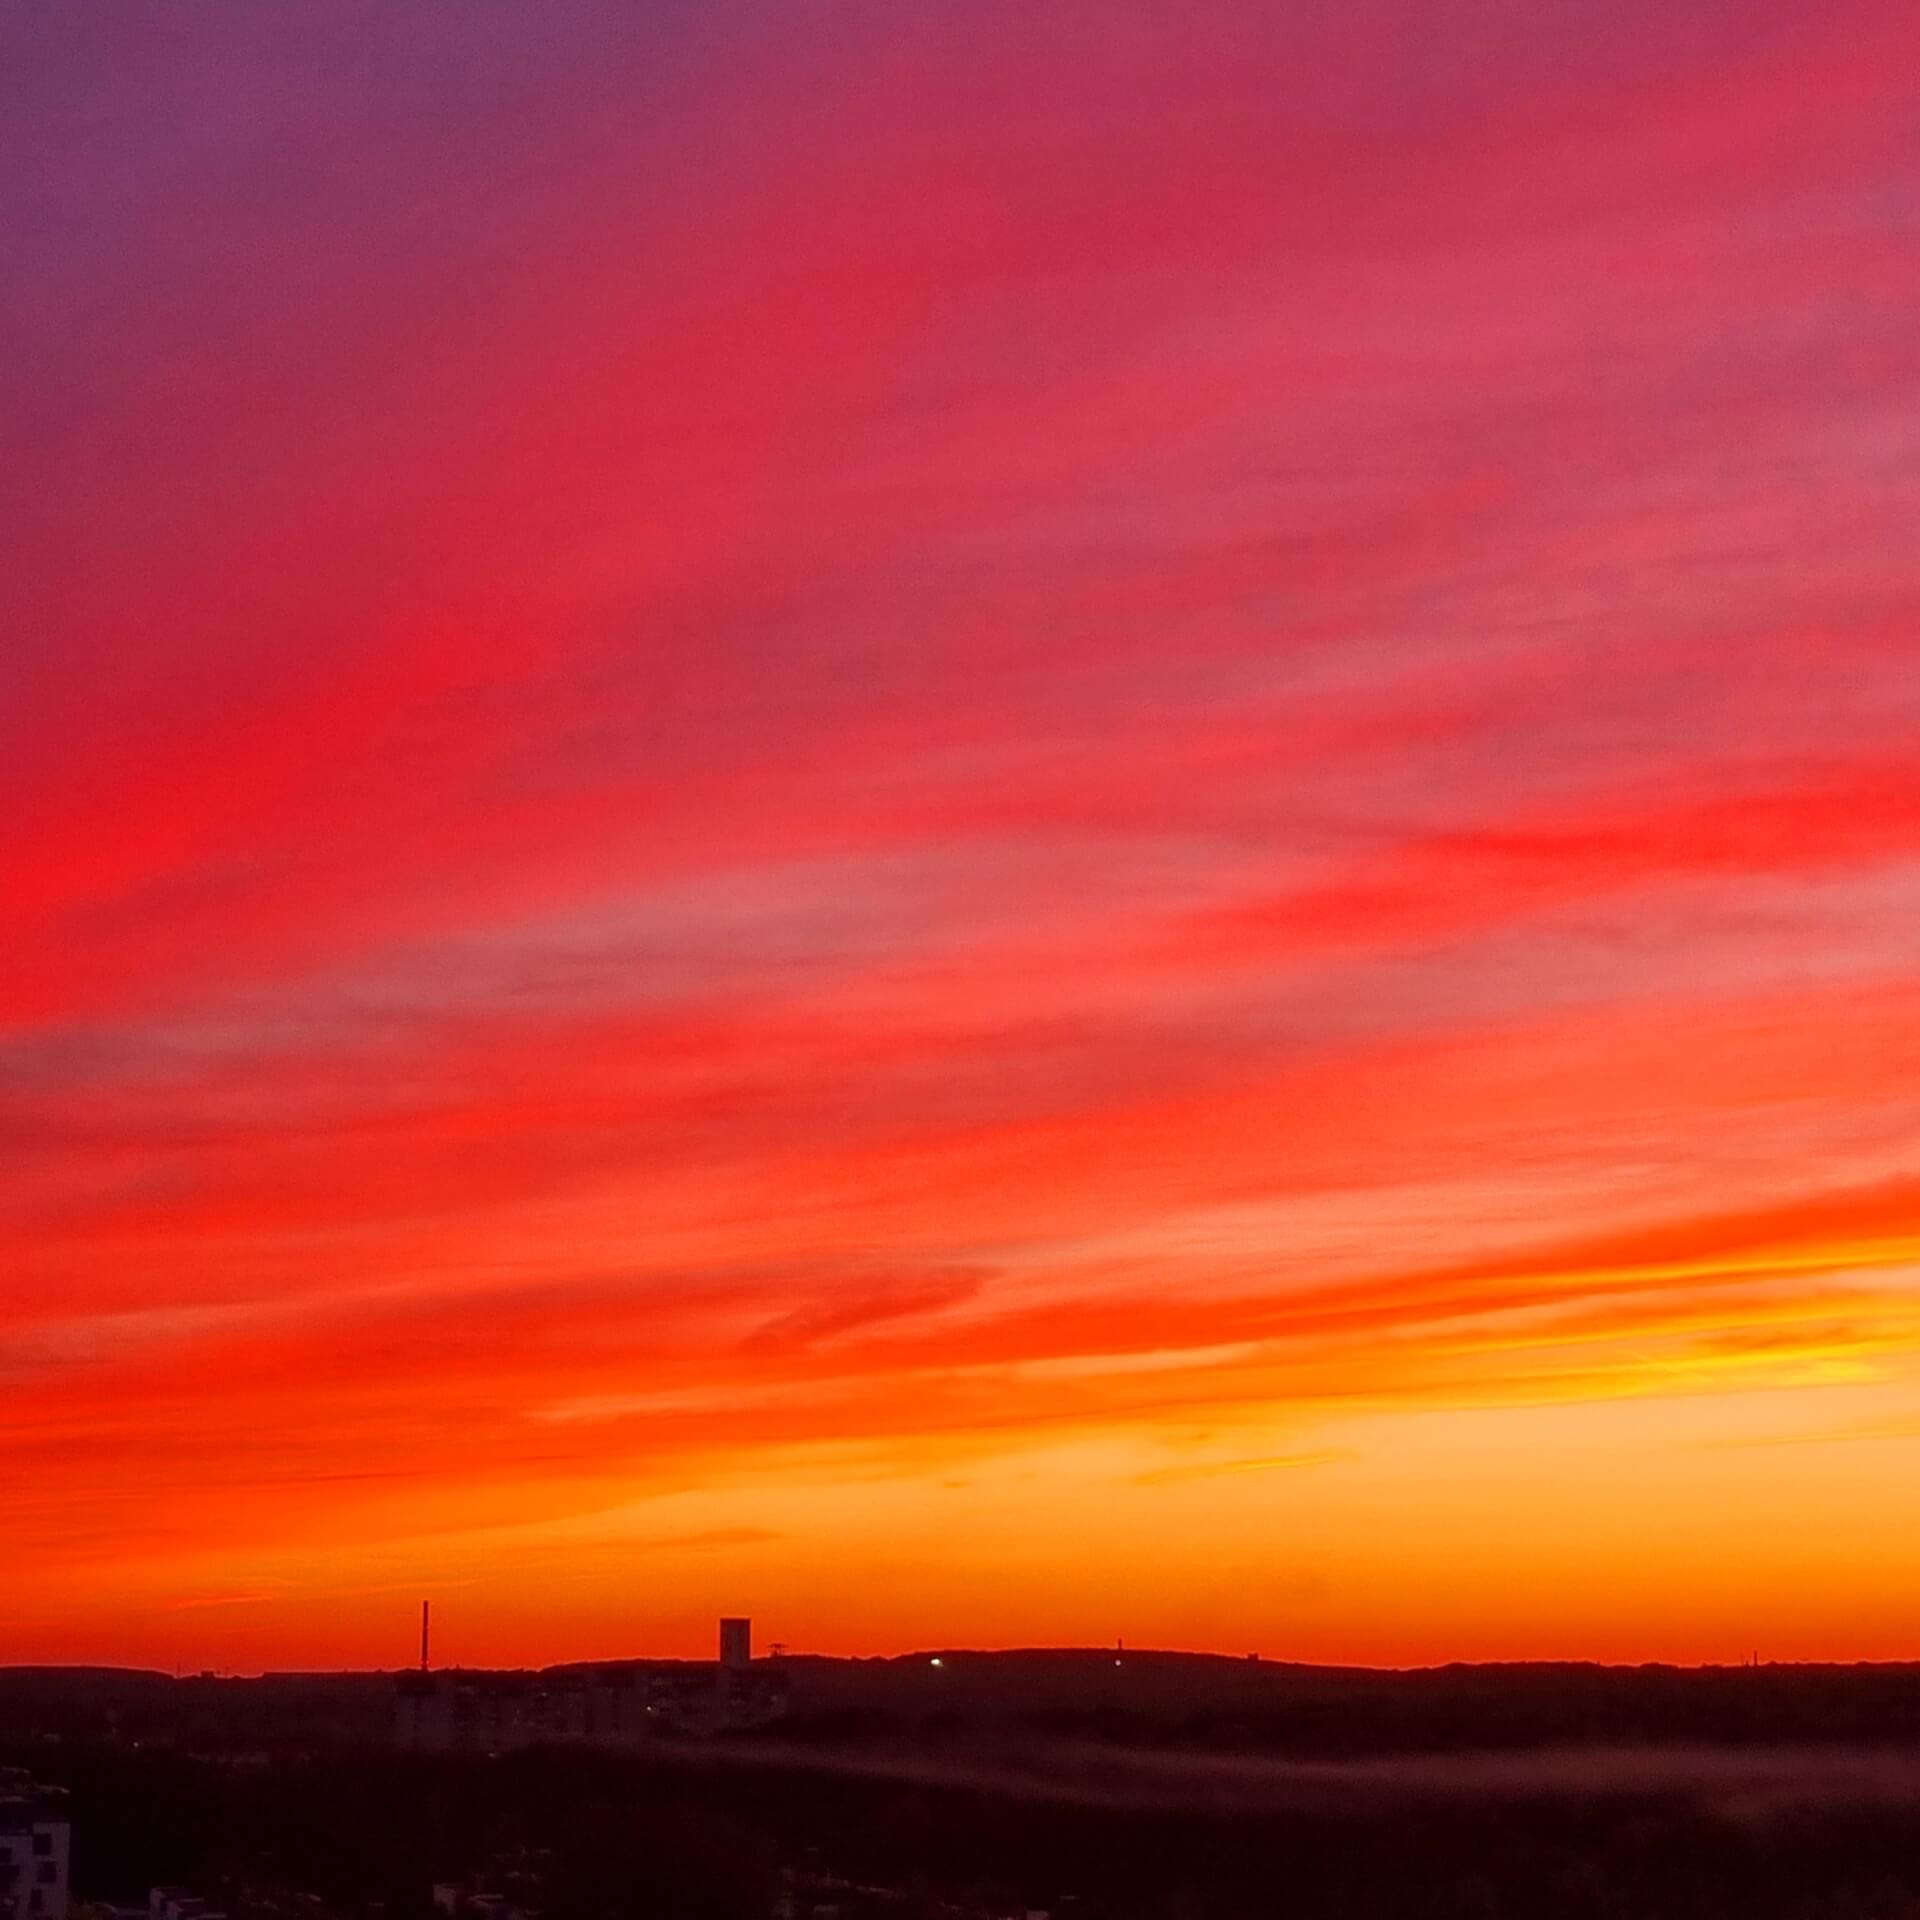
(1258, 765)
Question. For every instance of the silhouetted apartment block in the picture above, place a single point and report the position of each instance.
(615, 1704)
(34, 1845)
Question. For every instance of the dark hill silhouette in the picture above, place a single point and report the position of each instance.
(1147, 1697)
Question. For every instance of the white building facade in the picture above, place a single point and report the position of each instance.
(35, 1842)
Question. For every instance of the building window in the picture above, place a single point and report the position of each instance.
(43, 1844)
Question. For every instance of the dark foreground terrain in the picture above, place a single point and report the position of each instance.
(1003, 1784)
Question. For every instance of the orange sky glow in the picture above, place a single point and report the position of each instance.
(967, 824)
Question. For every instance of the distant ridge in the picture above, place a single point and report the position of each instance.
(979, 1659)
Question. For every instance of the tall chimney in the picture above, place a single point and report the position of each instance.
(426, 1615)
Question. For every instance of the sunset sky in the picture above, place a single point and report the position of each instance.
(969, 823)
